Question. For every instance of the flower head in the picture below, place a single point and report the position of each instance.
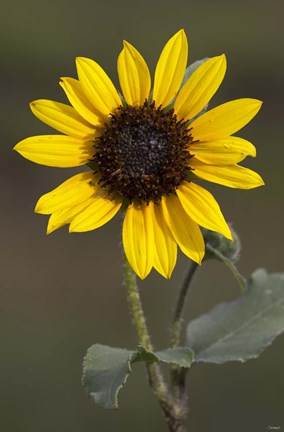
(146, 150)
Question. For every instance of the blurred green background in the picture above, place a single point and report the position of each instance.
(62, 293)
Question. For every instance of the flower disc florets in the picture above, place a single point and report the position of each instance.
(143, 153)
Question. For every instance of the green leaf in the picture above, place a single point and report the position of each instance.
(181, 356)
(242, 329)
(105, 369)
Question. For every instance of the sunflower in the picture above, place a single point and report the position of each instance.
(146, 150)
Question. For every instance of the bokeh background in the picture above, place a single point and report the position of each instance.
(62, 293)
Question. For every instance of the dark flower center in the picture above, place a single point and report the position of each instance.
(143, 153)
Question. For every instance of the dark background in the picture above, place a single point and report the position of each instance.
(62, 293)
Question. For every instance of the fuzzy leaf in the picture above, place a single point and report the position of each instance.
(181, 356)
(105, 369)
(242, 329)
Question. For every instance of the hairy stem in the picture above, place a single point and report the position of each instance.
(174, 413)
(155, 376)
(137, 313)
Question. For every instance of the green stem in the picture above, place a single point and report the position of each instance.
(175, 413)
(156, 378)
(180, 305)
(178, 374)
(135, 304)
(237, 275)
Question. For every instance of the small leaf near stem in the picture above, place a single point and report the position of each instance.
(180, 356)
(106, 369)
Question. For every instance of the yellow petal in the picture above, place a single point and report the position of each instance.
(134, 75)
(185, 231)
(138, 238)
(166, 247)
(200, 87)
(65, 216)
(56, 150)
(97, 86)
(225, 120)
(202, 207)
(233, 176)
(226, 151)
(79, 101)
(102, 209)
(170, 69)
(70, 193)
(63, 118)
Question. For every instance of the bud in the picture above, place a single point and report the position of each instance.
(229, 249)
(226, 251)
